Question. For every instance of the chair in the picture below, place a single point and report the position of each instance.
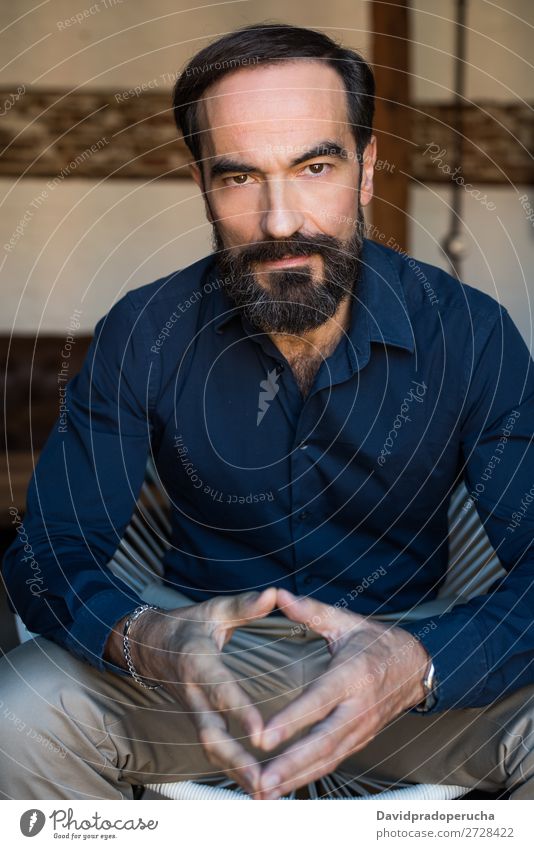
(473, 568)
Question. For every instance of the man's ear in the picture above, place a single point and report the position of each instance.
(367, 165)
(196, 174)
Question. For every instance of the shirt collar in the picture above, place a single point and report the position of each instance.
(381, 294)
(379, 311)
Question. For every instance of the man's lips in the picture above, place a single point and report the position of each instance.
(285, 261)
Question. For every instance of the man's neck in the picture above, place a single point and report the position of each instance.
(306, 351)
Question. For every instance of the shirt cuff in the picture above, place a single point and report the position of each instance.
(89, 633)
(456, 648)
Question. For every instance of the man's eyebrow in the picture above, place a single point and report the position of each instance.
(324, 148)
(225, 165)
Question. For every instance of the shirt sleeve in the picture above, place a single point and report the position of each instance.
(484, 649)
(82, 495)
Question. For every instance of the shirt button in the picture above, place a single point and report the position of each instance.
(279, 368)
(304, 515)
(303, 446)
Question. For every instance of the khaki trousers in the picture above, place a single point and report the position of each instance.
(68, 731)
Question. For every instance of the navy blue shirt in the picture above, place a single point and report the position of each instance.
(318, 494)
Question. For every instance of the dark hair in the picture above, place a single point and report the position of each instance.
(268, 43)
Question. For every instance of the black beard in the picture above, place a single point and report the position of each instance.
(293, 302)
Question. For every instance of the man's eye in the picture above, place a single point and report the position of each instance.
(318, 167)
(238, 179)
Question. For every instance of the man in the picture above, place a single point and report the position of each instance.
(309, 408)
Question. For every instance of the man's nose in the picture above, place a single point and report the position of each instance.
(282, 217)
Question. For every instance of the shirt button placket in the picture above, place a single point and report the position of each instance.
(299, 462)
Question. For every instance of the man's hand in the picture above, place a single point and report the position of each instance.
(182, 650)
(375, 674)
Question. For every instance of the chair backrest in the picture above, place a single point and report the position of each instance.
(473, 563)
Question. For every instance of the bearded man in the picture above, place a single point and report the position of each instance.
(309, 409)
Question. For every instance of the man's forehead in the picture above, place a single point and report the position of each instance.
(299, 100)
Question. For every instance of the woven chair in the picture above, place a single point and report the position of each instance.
(473, 568)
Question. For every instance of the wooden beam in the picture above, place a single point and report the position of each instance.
(47, 133)
(498, 146)
(390, 58)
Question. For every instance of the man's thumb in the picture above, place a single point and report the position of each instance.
(316, 615)
(249, 606)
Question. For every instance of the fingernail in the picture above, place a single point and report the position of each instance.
(271, 739)
(270, 782)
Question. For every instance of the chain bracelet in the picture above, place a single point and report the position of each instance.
(126, 645)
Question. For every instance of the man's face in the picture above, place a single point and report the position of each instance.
(284, 191)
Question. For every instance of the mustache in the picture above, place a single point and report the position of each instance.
(297, 245)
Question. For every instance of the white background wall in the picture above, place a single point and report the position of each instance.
(499, 42)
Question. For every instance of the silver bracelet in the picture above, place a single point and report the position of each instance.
(126, 645)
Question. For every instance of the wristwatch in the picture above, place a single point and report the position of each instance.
(430, 687)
